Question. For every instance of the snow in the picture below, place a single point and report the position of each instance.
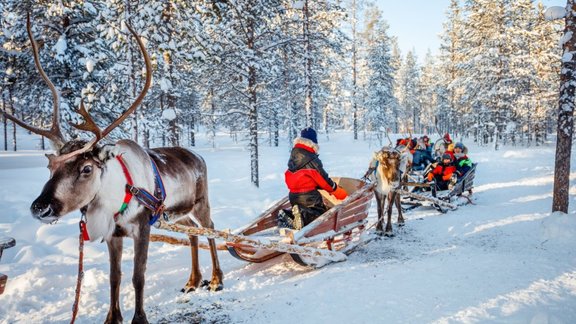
(61, 46)
(90, 65)
(169, 114)
(298, 5)
(506, 259)
(554, 13)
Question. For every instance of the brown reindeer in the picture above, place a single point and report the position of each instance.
(385, 171)
(93, 179)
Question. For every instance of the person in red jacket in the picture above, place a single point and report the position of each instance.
(305, 175)
(442, 173)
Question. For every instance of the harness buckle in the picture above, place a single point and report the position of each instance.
(135, 191)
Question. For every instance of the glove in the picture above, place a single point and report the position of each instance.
(430, 176)
(447, 177)
(339, 193)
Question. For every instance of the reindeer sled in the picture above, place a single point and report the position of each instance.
(416, 193)
(328, 238)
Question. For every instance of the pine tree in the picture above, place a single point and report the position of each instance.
(380, 98)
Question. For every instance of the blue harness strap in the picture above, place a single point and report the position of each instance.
(154, 202)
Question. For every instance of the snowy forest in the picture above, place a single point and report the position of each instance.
(261, 70)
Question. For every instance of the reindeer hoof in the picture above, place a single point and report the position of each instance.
(188, 289)
(212, 286)
(389, 234)
(401, 224)
(139, 319)
(216, 287)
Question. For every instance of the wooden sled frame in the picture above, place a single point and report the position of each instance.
(335, 230)
(441, 200)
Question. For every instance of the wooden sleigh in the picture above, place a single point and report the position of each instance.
(329, 238)
(5, 243)
(337, 230)
(418, 193)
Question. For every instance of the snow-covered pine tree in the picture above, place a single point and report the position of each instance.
(380, 98)
(546, 56)
(449, 70)
(409, 86)
(428, 96)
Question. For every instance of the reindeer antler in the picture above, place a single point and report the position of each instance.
(53, 134)
(90, 125)
(388, 136)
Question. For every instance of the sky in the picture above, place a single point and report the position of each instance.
(417, 23)
(505, 259)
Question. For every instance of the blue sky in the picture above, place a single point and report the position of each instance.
(417, 23)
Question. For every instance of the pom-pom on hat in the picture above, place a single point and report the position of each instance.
(310, 134)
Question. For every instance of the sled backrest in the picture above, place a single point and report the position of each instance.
(465, 183)
(338, 215)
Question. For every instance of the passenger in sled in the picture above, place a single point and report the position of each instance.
(422, 154)
(444, 173)
(443, 145)
(305, 175)
(462, 162)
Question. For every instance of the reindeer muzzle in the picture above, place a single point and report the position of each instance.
(44, 213)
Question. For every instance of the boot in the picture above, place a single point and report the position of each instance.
(284, 220)
(298, 222)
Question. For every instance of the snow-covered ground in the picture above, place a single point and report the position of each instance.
(506, 259)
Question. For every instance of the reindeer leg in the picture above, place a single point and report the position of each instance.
(115, 255)
(399, 208)
(388, 231)
(141, 243)
(195, 275)
(379, 207)
(202, 211)
(216, 283)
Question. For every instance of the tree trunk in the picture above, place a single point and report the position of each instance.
(308, 103)
(253, 110)
(5, 123)
(13, 112)
(354, 67)
(565, 129)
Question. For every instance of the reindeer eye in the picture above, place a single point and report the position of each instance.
(86, 169)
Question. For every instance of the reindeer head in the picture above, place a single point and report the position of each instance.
(72, 185)
(388, 164)
(76, 168)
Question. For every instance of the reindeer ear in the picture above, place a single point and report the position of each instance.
(107, 152)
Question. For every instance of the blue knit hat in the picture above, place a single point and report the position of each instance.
(310, 134)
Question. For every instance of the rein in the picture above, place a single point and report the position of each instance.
(81, 238)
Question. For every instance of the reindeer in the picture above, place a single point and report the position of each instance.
(100, 181)
(385, 169)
